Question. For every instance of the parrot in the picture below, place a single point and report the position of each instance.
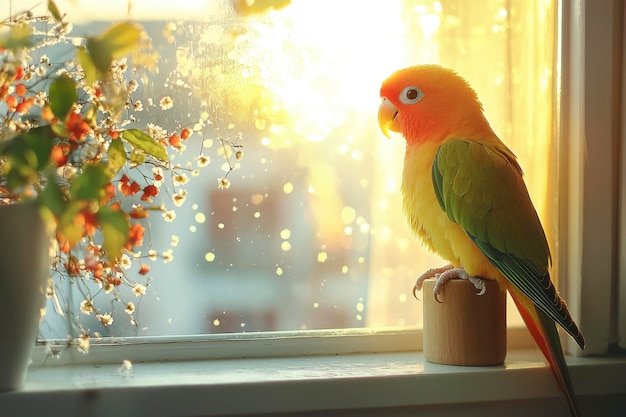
(464, 197)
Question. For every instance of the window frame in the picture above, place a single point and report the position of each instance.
(589, 132)
(621, 253)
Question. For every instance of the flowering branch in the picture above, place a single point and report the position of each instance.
(70, 140)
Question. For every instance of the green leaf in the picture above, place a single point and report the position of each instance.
(89, 184)
(62, 96)
(114, 226)
(90, 115)
(117, 155)
(144, 142)
(60, 130)
(66, 226)
(54, 11)
(52, 197)
(121, 38)
(26, 155)
(116, 41)
(89, 68)
(137, 158)
(37, 140)
(19, 37)
(99, 55)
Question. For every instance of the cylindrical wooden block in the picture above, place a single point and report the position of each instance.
(465, 328)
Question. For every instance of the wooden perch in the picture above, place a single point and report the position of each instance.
(465, 328)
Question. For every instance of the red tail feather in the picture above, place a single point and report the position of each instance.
(548, 346)
(532, 323)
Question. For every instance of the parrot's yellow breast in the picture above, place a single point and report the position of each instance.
(431, 224)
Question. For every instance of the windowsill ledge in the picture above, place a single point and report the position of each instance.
(353, 383)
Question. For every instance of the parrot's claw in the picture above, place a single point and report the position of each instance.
(479, 283)
(445, 274)
(431, 273)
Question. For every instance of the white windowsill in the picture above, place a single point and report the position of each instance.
(396, 384)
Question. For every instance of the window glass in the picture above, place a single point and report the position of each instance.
(310, 233)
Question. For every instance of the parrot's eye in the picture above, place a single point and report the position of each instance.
(411, 95)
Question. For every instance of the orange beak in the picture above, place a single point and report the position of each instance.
(388, 117)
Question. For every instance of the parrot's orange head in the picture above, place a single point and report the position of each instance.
(428, 103)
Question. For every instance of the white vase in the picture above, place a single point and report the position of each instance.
(24, 271)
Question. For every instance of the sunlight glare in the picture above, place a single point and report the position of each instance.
(318, 69)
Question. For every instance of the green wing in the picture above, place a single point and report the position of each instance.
(481, 188)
